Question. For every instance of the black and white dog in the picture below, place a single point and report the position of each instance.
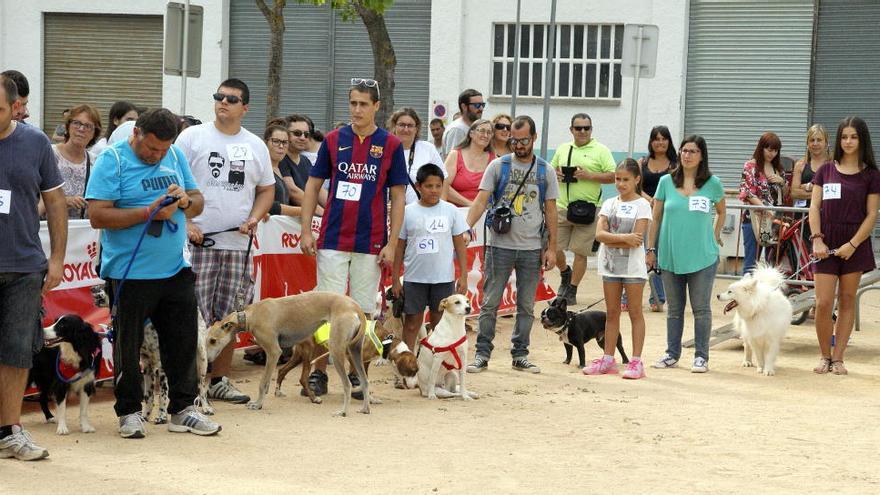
(67, 363)
(155, 380)
(576, 329)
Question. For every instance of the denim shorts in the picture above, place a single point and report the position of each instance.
(21, 332)
(623, 280)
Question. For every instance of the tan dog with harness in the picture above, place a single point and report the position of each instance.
(293, 319)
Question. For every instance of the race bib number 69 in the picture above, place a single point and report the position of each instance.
(427, 245)
(700, 204)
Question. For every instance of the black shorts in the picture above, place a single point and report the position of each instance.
(21, 332)
(417, 296)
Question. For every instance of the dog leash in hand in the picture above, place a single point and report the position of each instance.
(239, 297)
(813, 259)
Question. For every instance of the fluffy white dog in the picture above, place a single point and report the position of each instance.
(763, 314)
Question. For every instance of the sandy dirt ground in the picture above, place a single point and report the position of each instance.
(728, 431)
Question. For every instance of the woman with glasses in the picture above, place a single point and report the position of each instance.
(406, 125)
(763, 184)
(81, 130)
(467, 163)
(501, 125)
(120, 113)
(277, 140)
(683, 243)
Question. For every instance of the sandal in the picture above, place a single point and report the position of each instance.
(656, 308)
(838, 368)
(824, 366)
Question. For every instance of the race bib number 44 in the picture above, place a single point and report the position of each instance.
(831, 191)
(5, 201)
(700, 204)
(427, 245)
(348, 191)
(239, 152)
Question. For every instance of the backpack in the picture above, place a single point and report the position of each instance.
(499, 216)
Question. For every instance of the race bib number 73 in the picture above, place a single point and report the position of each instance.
(700, 204)
(5, 201)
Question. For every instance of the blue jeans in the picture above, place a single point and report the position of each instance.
(750, 246)
(500, 263)
(699, 286)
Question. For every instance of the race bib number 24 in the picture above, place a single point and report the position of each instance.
(831, 191)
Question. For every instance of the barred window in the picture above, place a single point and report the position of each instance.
(587, 60)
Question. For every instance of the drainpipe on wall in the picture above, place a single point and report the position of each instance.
(548, 79)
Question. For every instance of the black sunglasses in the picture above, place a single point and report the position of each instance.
(522, 141)
(299, 133)
(502, 127)
(231, 99)
(478, 105)
(582, 128)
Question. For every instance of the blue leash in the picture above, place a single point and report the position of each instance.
(111, 334)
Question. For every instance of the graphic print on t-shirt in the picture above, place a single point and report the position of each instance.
(215, 161)
(236, 174)
(621, 221)
(527, 195)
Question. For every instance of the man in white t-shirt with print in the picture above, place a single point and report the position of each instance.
(233, 170)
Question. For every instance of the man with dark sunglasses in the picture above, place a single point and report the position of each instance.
(470, 105)
(593, 166)
(234, 172)
(295, 165)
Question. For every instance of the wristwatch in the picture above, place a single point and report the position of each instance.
(652, 250)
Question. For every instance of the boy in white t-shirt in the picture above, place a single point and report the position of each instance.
(622, 224)
(431, 234)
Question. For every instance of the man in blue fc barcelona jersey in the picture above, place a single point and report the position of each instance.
(362, 163)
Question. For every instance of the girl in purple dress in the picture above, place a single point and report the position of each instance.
(843, 210)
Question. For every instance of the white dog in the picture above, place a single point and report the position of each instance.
(444, 351)
(763, 314)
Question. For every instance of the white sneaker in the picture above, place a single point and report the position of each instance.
(226, 391)
(192, 421)
(132, 426)
(666, 361)
(700, 365)
(21, 446)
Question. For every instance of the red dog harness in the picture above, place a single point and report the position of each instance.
(449, 348)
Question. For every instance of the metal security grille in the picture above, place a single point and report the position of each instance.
(321, 55)
(100, 59)
(748, 72)
(847, 67)
(587, 60)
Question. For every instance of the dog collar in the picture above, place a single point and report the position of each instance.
(451, 348)
(242, 321)
(69, 374)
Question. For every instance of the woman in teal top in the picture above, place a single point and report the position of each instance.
(688, 244)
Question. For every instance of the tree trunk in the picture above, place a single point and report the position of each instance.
(384, 59)
(275, 18)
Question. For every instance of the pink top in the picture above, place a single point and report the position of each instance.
(466, 182)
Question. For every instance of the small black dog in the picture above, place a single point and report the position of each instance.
(576, 329)
(67, 363)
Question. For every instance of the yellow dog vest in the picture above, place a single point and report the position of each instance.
(322, 335)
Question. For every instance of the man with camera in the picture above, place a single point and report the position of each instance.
(522, 190)
(582, 166)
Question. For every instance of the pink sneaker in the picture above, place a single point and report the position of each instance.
(634, 370)
(601, 367)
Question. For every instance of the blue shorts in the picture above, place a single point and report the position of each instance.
(623, 280)
(21, 332)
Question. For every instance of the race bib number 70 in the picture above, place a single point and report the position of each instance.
(348, 191)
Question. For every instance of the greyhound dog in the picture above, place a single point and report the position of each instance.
(293, 319)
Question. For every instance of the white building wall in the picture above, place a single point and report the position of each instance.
(461, 55)
(21, 47)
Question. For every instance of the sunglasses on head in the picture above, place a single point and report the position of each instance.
(299, 133)
(231, 99)
(361, 81)
(502, 127)
(478, 105)
(582, 128)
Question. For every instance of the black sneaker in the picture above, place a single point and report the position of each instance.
(570, 295)
(479, 365)
(564, 282)
(357, 393)
(258, 358)
(523, 364)
(317, 382)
